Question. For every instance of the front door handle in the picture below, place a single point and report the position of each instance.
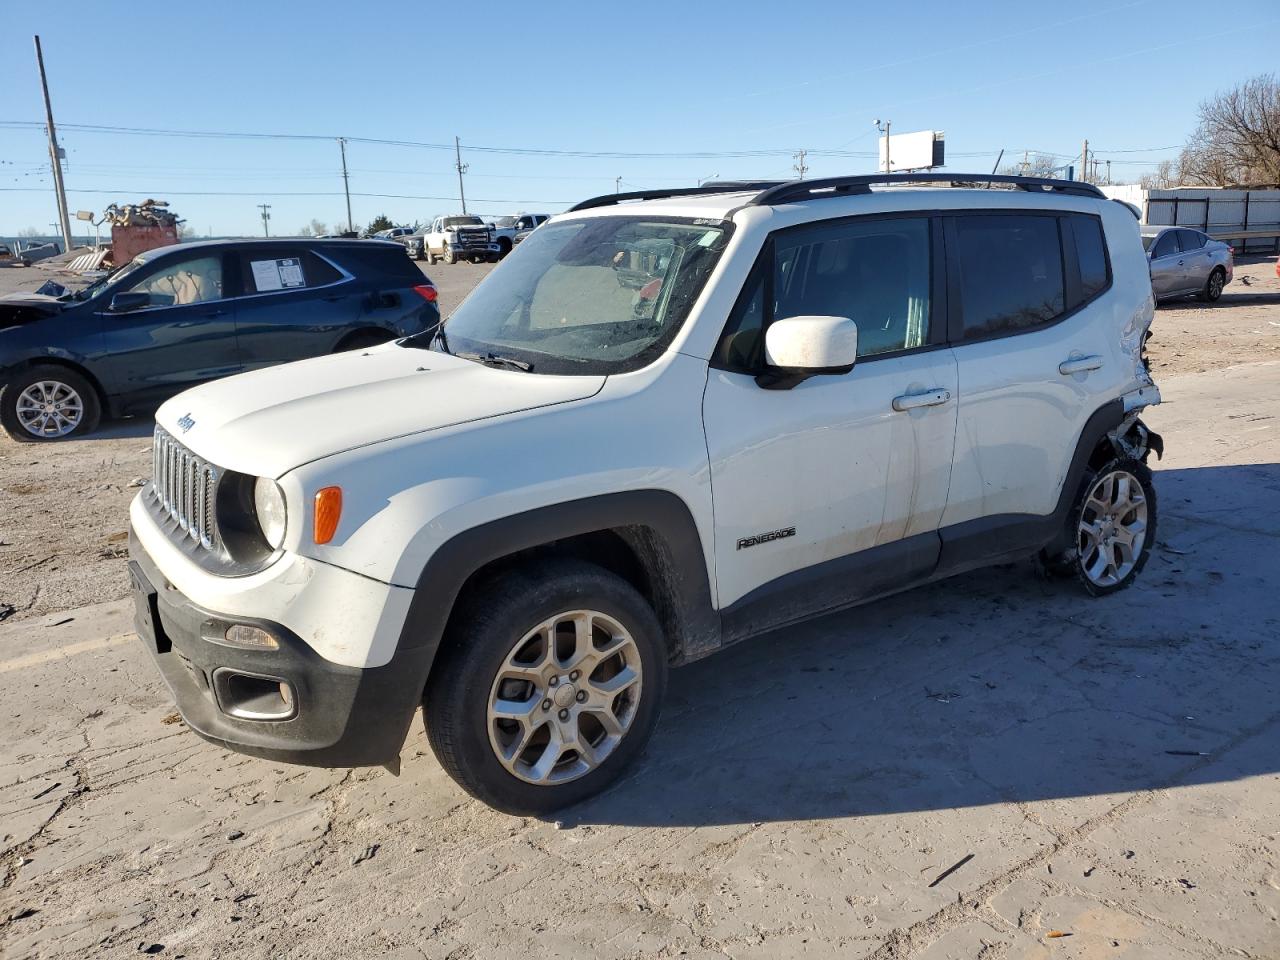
(910, 401)
(1079, 365)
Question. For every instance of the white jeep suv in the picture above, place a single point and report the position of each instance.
(668, 421)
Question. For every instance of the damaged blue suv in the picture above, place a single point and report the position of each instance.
(185, 314)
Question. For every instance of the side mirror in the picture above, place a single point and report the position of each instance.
(798, 348)
(128, 302)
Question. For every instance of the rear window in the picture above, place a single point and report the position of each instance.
(268, 270)
(1192, 239)
(1011, 275)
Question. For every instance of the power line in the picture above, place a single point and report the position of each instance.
(285, 193)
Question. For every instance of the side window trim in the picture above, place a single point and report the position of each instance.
(940, 296)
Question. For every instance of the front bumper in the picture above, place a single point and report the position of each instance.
(340, 716)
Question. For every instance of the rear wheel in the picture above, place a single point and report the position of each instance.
(46, 403)
(1111, 527)
(549, 687)
(1213, 286)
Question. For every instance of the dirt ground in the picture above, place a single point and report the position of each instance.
(990, 768)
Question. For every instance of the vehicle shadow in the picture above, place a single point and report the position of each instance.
(131, 428)
(1226, 300)
(993, 687)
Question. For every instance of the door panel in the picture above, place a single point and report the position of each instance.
(187, 337)
(1166, 265)
(1031, 381)
(831, 459)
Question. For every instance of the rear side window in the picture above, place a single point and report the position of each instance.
(268, 271)
(1011, 274)
(1192, 240)
(1166, 246)
(1091, 254)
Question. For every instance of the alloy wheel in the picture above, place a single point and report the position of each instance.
(565, 697)
(49, 409)
(1113, 528)
(1215, 285)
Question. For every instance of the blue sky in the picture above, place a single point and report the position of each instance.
(659, 77)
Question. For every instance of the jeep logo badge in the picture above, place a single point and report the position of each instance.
(185, 422)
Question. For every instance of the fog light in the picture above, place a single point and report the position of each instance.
(238, 635)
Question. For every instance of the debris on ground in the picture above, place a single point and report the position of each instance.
(172, 718)
(951, 869)
(235, 834)
(368, 854)
(7, 610)
(1056, 934)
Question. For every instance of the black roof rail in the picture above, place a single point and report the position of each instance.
(722, 186)
(846, 186)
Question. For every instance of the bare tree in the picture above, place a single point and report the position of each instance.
(1032, 165)
(1237, 140)
(315, 228)
(26, 232)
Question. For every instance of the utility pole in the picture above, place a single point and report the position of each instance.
(617, 184)
(799, 166)
(1108, 172)
(264, 207)
(462, 168)
(346, 184)
(1084, 161)
(55, 155)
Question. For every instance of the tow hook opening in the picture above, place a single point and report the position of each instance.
(250, 697)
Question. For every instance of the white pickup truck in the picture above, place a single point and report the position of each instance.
(458, 237)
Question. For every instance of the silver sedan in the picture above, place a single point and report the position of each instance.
(1186, 261)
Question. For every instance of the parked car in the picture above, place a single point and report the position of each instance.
(391, 233)
(504, 231)
(671, 425)
(180, 315)
(1185, 261)
(458, 237)
(415, 243)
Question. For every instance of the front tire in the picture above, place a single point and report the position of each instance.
(449, 256)
(1111, 527)
(46, 403)
(549, 686)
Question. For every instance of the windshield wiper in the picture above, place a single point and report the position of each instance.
(493, 360)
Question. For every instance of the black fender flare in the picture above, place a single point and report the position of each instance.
(656, 524)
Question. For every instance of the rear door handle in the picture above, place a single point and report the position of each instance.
(910, 401)
(1079, 365)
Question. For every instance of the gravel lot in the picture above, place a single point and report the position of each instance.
(1106, 770)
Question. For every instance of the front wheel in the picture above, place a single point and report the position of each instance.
(1213, 286)
(1112, 526)
(449, 256)
(549, 686)
(46, 403)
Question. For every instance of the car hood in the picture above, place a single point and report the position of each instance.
(19, 308)
(270, 421)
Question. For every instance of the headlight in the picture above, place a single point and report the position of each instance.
(268, 501)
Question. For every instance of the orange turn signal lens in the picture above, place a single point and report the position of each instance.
(328, 513)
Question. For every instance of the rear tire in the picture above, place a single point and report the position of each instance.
(46, 403)
(514, 705)
(1111, 527)
(1213, 286)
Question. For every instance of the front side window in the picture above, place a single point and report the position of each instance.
(1166, 246)
(1011, 275)
(602, 295)
(874, 272)
(189, 281)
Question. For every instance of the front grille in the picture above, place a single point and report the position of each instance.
(477, 238)
(184, 487)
